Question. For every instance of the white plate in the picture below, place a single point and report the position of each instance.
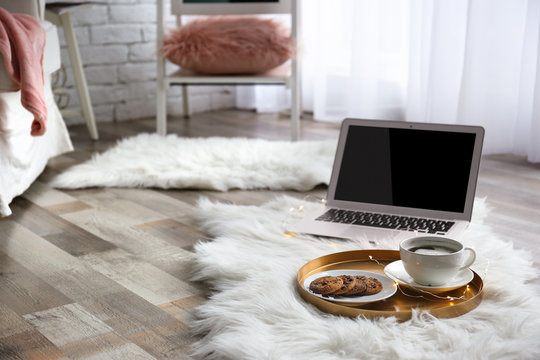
(396, 271)
(389, 288)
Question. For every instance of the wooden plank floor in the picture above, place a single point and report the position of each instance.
(103, 273)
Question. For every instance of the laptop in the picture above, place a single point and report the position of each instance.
(396, 180)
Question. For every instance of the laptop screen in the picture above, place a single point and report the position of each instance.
(413, 168)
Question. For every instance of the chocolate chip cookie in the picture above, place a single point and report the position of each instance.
(347, 287)
(373, 286)
(326, 285)
(359, 286)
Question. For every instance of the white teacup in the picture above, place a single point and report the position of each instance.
(434, 260)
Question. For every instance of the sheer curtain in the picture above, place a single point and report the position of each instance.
(476, 62)
(449, 61)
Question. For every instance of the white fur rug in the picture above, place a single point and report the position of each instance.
(151, 160)
(256, 313)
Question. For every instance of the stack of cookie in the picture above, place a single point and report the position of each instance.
(345, 285)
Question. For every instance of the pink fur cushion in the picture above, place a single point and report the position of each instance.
(229, 45)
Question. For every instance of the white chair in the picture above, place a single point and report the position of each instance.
(286, 75)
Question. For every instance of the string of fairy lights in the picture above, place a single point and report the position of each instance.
(417, 292)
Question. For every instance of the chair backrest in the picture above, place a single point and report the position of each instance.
(216, 7)
(224, 7)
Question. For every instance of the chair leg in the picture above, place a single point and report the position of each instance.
(78, 74)
(161, 109)
(185, 101)
(295, 122)
(295, 111)
(161, 84)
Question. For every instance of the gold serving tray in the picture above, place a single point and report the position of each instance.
(399, 305)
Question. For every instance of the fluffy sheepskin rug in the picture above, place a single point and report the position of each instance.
(151, 160)
(256, 313)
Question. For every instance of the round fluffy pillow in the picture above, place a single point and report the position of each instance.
(229, 45)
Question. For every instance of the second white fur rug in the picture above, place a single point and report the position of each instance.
(256, 313)
(216, 163)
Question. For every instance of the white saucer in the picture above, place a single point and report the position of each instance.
(396, 271)
(389, 288)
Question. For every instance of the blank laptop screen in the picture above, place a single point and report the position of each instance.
(411, 168)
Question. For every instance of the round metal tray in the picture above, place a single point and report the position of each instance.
(451, 304)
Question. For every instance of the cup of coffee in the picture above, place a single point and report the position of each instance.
(434, 260)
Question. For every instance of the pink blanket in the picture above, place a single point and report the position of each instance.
(22, 44)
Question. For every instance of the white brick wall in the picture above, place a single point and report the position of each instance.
(117, 46)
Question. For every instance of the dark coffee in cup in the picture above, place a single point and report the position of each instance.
(432, 250)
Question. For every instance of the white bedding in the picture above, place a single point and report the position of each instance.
(23, 157)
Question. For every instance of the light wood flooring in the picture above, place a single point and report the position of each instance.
(103, 273)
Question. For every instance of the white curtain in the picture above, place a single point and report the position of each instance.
(470, 62)
(476, 62)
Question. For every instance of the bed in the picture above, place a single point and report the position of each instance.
(22, 156)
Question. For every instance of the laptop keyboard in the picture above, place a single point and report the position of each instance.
(395, 222)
